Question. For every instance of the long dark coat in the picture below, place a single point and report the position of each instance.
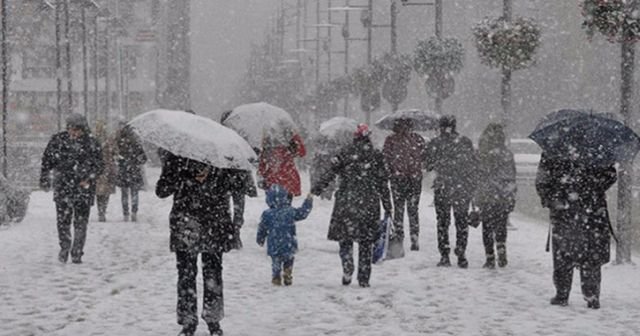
(363, 186)
(496, 176)
(575, 196)
(72, 161)
(453, 158)
(206, 203)
(130, 157)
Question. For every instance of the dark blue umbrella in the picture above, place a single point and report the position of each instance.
(594, 138)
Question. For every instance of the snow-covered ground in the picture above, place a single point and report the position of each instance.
(126, 285)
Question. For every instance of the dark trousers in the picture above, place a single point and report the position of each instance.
(494, 226)
(102, 202)
(365, 252)
(78, 213)
(280, 262)
(406, 191)
(125, 200)
(213, 305)
(590, 276)
(444, 203)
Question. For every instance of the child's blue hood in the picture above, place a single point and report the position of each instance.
(277, 197)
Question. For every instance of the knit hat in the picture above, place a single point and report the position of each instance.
(76, 120)
(362, 131)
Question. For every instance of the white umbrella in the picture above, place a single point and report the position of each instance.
(422, 120)
(258, 121)
(338, 129)
(194, 137)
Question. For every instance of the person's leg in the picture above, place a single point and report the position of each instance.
(64, 214)
(287, 276)
(443, 215)
(501, 236)
(102, 202)
(134, 204)
(562, 276)
(124, 191)
(238, 218)
(591, 277)
(365, 252)
(413, 203)
(399, 200)
(488, 232)
(346, 257)
(276, 270)
(187, 307)
(461, 214)
(213, 300)
(81, 220)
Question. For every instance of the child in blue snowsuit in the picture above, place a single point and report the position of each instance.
(278, 227)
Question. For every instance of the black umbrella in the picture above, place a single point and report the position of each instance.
(594, 138)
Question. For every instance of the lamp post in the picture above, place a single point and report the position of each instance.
(5, 85)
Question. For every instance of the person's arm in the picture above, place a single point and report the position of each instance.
(337, 166)
(297, 146)
(543, 177)
(263, 231)
(302, 212)
(167, 184)
(382, 185)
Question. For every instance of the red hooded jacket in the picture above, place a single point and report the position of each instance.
(277, 165)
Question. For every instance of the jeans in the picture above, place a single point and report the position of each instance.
(125, 200)
(365, 253)
(406, 190)
(280, 262)
(78, 212)
(213, 304)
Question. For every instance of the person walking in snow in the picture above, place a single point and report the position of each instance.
(105, 183)
(495, 196)
(75, 158)
(130, 157)
(575, 194)
(277, 165)
(200, 224)
(278, 227)
(404, 152)
(453, 158)
(356, 212)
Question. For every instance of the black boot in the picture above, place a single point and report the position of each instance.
(502, 254)
(214, 329)
(559, 301)
(491, 262)
(346, 280)
(463, 262)
(415, 246)
(593, 303)
(188, 330)
(444, 261)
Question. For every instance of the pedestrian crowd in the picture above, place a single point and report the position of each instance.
(366, 184)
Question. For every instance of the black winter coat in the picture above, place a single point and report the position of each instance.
(72, 161)
(496, 176)
(576, 197)
(130, 157)
(454, 159)
(206, 203)
(363, 186)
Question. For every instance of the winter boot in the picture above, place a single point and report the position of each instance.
(364, 283)
(125, 218)
(214, 329)
(276, 281)
(63, 256)
(462, 261)
(444, 261)
(559, 301)
(102, 217)
(188, 330)
(491, 262)
(287, 277)
(415, 246)
(346, 280)
(593, 302)
(134, 217)
(502, 254)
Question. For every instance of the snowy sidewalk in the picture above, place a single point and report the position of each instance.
(126, 285)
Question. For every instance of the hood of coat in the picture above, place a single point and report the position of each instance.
(277, 197)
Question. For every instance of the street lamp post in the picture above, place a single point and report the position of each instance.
(5, 85)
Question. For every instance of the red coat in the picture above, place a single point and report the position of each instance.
(277, 165)
(404, 153)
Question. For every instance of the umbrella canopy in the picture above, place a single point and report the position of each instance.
(594, 138)
(194, 137)
(422, 120)
(261, 121)
(339, 130)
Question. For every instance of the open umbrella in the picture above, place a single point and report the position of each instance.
(259, 121)
(338, 130)
(595, 138)
(194, 137)
(422, 120)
